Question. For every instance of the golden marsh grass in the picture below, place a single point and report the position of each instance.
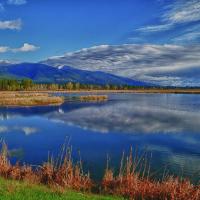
(93, 98)
(28, 99)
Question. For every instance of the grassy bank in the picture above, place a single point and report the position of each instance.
(16, 190)
(137, 90)
(133, 181)
(28, 99)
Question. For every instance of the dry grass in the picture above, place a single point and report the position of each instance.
(62, 173)
(22, 94)
(15, 172)
(129, 182)
(28, 99)
(132, 184)
(94, 98)
(136, 90)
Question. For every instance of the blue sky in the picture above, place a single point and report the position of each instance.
(53, 27)
(163, 36)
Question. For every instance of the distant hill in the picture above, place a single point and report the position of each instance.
(47, 74)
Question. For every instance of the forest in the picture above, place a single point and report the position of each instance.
(28, 84)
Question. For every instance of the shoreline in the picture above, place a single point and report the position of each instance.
(48, 97)
(139, 91)
(129, 182)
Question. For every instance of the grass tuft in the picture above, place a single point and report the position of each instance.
(93, 98)
(28, 99)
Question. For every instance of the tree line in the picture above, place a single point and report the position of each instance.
(27, 84)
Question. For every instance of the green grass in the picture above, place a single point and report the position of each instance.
(15, 190)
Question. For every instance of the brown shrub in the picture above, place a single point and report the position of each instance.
(66, 174)
(131, 181)
(134, 185)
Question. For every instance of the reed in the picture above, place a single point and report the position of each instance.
(16, 172)
(93, 98)
(22, 94)
(28, 99)
(133, 181)
(54, 173)
(64, 173)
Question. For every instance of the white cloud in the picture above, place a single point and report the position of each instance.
(4, 49)
(26, 48)
(155, 28)
(5, 63)
(16, 2)
(3, 129)
(189, 35)
(12, 24)
(138, 116)
(178, 12)
(182, 11)
(160, 64)
(29, 130)
(26, 130)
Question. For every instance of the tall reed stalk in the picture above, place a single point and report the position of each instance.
(61, 172)
(133, 181)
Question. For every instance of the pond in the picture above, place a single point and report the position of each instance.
(166, 126)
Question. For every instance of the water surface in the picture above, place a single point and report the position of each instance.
(166, 125)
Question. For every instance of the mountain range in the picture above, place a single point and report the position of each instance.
(42, 73)
(166, 65)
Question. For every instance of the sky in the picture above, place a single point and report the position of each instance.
(35, 30)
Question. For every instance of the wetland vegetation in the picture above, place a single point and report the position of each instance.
(133, 180)
(28, 99)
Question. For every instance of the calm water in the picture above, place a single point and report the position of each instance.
(166, 125)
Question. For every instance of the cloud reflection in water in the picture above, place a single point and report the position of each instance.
(133, 116)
